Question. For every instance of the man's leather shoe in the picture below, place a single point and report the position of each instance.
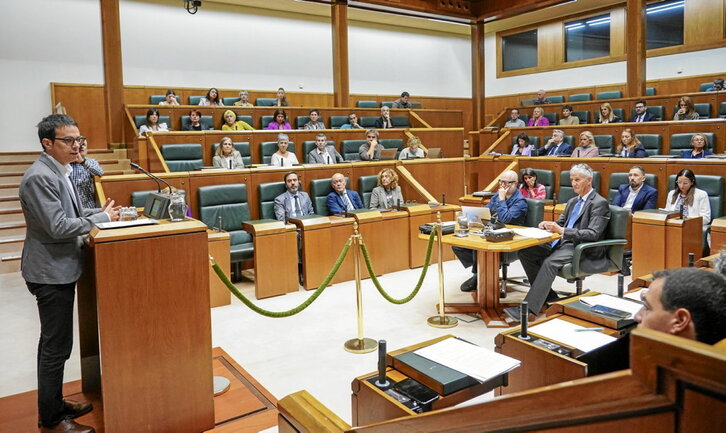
(75, 409)
(469, 285)
(68, 426)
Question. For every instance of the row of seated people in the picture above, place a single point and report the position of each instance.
(717, 85)
(281, 153)
(641, 112)
(630, 145)
(213, 98)
(195, 121)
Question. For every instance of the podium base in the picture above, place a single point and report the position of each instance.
(442, 321)
(360, 345)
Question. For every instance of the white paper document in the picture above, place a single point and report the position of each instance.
(613, 302)
(477, 362)
(636, 296)
(565, 332)
(532, 232)
(120, 224)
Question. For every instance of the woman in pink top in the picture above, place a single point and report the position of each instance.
(587, 147)
(279, 120)
(529, 187)
(538, 118)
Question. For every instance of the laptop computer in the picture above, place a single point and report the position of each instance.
(434, 152)
(477, 214)
(388, 154)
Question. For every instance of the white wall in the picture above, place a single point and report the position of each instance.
(43, 41)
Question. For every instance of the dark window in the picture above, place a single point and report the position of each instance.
(588, 38)
(519, 51)
(664, 24)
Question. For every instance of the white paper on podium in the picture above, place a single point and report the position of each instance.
(120, 224)
(470, 359)
(636, 296)
(613, 302)
(532, 232)
(565, 332)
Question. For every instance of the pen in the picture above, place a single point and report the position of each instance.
(589, 329)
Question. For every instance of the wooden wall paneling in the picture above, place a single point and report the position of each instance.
(450, 140)
(703, 21)
(81, 102)
(113, 76)
(636, 43)
(439, 176)
(619, 32)
(550, 45)
(477, 75)
(339, 28)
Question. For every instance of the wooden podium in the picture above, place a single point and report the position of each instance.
(718, 235)
(661, 240)
(145, 329)
(275, 257)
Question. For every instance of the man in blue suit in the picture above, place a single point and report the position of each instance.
(556, 146)
(636, 194)
(342, 199)
(641, 113)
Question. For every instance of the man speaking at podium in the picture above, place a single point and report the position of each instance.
(52, 261)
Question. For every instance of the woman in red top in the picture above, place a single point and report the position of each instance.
(529, 187)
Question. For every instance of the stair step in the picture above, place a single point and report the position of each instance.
(11, 202)
(11, 215)
(11, 244)
(10, 266)
(12, 228)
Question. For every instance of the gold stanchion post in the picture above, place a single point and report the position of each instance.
(360, 344)
(441, 320)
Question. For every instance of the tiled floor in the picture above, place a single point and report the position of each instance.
(304, 351)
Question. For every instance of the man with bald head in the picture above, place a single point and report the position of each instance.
(342, 199)
(510, 207)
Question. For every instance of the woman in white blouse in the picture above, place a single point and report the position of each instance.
(227, 156)
(152, 123)
(283, 158)
(694, 201)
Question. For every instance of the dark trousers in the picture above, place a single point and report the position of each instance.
(55, 309)
(542, 263)
(467, 257)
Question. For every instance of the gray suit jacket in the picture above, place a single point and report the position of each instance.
(589, 227)
(378, 198)
(56, 223)
(314, 158)
(283, 205)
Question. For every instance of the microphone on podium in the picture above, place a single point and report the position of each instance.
(157, 203)
(136, 166)
(382, 381)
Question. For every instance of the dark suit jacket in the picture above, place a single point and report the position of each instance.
(646, 199)
(336, 205)
(381, 123)
(647, 118)
(589, 227)
(564, 150)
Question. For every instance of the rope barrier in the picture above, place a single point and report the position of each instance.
(376, 283)
(222, 276)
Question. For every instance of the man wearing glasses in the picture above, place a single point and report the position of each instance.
(52, 261)
(510, 207)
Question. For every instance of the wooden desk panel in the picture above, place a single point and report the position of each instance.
(439, 176)
(218, 244)
(718, 235)
(276, 258)
(682, 237)
(396, 248)
(649, 242)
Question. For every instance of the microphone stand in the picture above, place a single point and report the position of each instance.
(136, 166)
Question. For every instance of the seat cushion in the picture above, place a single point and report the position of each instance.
(367, 104)
(653, 143)
(335, 122)
(610, 94)
(265, 102)
(580, 97)
(350, 149)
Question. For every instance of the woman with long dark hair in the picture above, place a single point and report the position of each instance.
(685, 193)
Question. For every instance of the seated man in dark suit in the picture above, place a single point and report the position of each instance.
(687, 302)
(341, 199)
(556, 146)
(636, 194)
(510, 207)
(585, 219)
(641, 113)
(293, 202)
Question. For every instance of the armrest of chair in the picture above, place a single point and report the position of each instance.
(585, 245)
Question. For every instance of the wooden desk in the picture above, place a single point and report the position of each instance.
(470, 200)
(397, 247)
(718, 235)
(420, 214)
(276, 258)
(487, 293)
(574, 308)
(218, 244)
(661, 240)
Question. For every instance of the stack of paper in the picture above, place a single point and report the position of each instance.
(635, 296)
(565, 332)
(121, 224)
(532, 232)
(477, 362)
(613, 302)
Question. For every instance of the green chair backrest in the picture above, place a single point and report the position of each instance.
(650, 91)
(388, 104)
(365, 188)
(182, 157)
(246, 119)
(535, 212)
(155, 99)
(653, 143)
(566, 191)
(604, 143)
(206, 121)
(609, 94)
(544, 177)
(616, 111)
(140, 120)
(705, 86)
(300, 121)
(722, 110)
(265, 102)
(267, 148)
(713, 185)
(319, 190)
(524, 117)
(527, 101)
(415, 105)
(702, 108)
(655, 110)
(368, 121)
(367, 104)
(350, 149)
(243, 147)
(268, 192)
(138, 198)
(194, 100)
(556, 99)
(533, 140)
(264, 121)
(228, 201)
(230, 100)
(335, 122)
(617, 179)
(681, 142)
(577, 97)
(392, 143)
(583, 115)
(399, 121)
(552, 117)
(567, 139)
(617, 229)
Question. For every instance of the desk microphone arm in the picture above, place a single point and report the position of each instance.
(154, 177)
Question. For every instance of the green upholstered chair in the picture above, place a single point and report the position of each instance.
(368, 121)
(415, 105)
(705, 86)
(399, 121)
(243, 147)
(230, 100)
(265, 102)
(556, 99)
(527, 101)
(702, 108)
(319, 190)
(300, 121)
(552, 117)
(650, 91)
(566, 191)
(155, 99)
(722, 110)
(653, 143)
(246, 119)
(544, 177)
(388, 104)
(681, 142)
(194, 100)
(267, 148)
(350, 149)
(713, 185)
(309, 145)
(615, 241)
(577, 97)
(617, 179)
(609, 94)
(265, 120)
(182, 157)
(335, 122)
(535, 215)
(365, 188)
(524, 117)
(138, 198)
(583, 115)
(267, 193)
(604, 143)
(140, 120)
(230, 203)
(533, 140)
(366, 104)
(206, 121)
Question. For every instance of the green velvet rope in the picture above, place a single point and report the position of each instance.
(376, 283)
(222, 276)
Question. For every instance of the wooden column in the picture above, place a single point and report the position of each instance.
(341, 80)
(635, 48)
(477, 84)
(113, 77)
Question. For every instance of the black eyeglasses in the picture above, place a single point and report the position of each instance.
(507, 182)
(81, 141)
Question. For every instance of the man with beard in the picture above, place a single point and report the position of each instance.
(292, 203)
(636, 194)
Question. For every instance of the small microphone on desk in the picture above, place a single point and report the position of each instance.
(691, 260)
(682, 211)
(382, 381)
(155, 178)
(524, 316)
(443, 199)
